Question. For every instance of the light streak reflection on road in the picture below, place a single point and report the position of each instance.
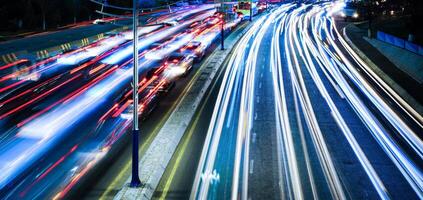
(311, 43)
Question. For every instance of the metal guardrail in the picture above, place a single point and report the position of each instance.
(399, 42)
(54, 50)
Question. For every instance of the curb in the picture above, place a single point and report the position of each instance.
(385, 78)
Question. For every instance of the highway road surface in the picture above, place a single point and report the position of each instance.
(296, 113)
(300, 116)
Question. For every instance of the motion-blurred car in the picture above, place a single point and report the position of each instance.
(213, 20)
(153, 52)
(350, 12)
(167, 83)
(165, 87)
(99, 21)
(171, 23)
(15, 66)
(105, 20)
(148, 104)
(195, 49)
(180, 64)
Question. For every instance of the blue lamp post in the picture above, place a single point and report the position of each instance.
(135, 180)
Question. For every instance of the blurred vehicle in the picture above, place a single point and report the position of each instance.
(165, 87)
(105, 20)
(155, 46)
(153, 52)
(350, 11)
(171, 23)
(194, 48)
(148, 104)
(15, 66)
(114, 33)
(212, 20)
(167, 84)
(179, 63)
(99, 21)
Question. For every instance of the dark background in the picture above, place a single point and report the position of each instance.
(18, 15)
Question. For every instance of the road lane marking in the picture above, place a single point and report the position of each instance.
(190, 133)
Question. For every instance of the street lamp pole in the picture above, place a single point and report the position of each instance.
(135, 180)
(251, 10)
(370, 13)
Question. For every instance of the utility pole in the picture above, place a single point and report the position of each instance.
(135, 180)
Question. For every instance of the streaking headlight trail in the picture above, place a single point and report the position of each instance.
(319, 94)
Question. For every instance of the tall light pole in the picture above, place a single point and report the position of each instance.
(135, 180)
(370, 18)
(251, 10)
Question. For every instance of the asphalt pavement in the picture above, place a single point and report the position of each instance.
(263, 160)
(300, 116)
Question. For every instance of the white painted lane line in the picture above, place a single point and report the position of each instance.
(251, 166)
